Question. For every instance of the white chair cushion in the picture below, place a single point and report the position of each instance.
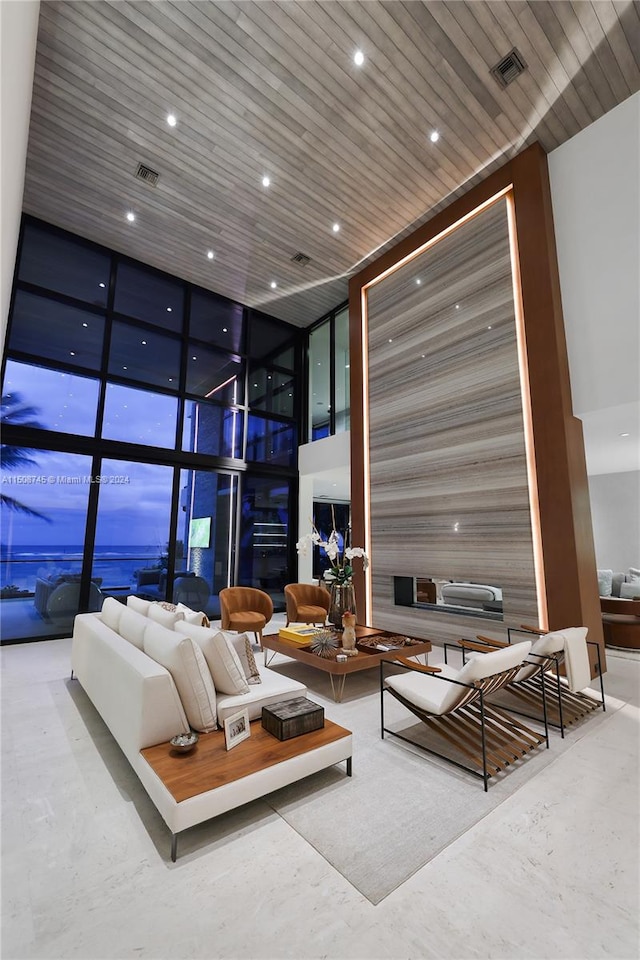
(543, 646)
(185, 661)
(438, 696)
(137, 603)
(222, 660)
(111, 612)
(132, 626)
(605, 582)
(168, 618)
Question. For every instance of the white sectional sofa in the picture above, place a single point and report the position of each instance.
(145, 703)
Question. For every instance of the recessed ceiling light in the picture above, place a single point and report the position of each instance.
(143, 342)
(434, 136)
(85, 324)
(273, 284)
(624, 434)
(457, 306)
(72, 353)
(418, 281)
(103, 285)
(131, 216)
(194, 358)
(489, 328)
(125, 368)
(170, 379)
(210, 254)
(171, 120)
(335, 227)
(358, 58)
(423, 355)
(266, 182)
(224, 329)
(169, 309)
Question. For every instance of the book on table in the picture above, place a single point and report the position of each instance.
(303, 633)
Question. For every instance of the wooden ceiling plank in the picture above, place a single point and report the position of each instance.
(621, 52)
(629, 20)
(589, 63)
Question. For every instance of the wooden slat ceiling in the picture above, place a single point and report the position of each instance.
(270, 88)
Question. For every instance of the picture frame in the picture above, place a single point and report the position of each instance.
(236, 729)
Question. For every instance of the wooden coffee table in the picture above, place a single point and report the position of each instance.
(367, 659)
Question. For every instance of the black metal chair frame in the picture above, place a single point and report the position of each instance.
(501, 738)
(566, 707)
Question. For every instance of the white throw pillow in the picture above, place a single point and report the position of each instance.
(137, 603)
(132, 626)
(185, 661)
(633, 576)
(222, 659)
(168, 618)
(605, 582)
(111, 612)
(196, 617)
(242, 646)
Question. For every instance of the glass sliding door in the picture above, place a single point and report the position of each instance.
(44, 515)
(264, 529)
(207, 532)
(133, 529)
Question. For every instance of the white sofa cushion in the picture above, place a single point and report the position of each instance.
(435, 695)
(222, 660)
(274, 687)
(628, 591)
(159, 613)
(132, 626)
(137, 603)
(185, 661)
(111, 612)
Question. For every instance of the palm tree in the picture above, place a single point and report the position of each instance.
(14, 411)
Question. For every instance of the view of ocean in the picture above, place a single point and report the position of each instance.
(115, 564)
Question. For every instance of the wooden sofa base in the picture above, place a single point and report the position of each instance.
(190, 788)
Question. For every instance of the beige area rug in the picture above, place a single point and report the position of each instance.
(402, 806)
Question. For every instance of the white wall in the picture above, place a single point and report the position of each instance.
(615, 509)
(18, 34)
(595, 189)
(324, 468)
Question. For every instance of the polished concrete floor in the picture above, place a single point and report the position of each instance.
(551, 873)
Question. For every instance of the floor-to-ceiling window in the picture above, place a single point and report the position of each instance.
(160, 410)
(328, 376)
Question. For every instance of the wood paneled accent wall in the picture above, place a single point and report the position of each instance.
(438, 424)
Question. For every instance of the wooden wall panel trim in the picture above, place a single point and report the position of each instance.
(565, 521)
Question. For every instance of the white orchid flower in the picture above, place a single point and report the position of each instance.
(352, 552)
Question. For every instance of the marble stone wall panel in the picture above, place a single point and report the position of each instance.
(449, 493)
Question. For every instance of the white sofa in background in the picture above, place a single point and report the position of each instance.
(138, 699)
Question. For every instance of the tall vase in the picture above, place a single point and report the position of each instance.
(343, 600)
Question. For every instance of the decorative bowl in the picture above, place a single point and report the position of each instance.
(184, 742)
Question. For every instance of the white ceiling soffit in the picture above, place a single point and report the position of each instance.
(612, 439)
(271, 89)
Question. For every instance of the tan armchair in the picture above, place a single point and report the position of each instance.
(245, 609)
(306, 603)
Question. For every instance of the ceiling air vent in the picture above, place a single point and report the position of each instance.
(147, 174)
(301, 258)
(509, 68)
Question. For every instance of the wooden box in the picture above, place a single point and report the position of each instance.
(291, 718)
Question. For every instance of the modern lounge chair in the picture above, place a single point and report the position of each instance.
(453, 704)
(565, 699)
(307, 603)
(245, 609)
